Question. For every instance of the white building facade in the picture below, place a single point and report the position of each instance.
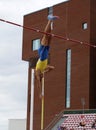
(17, 124)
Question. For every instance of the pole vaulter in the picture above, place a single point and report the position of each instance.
(42, 65)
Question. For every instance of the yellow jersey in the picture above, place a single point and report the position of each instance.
(41, 65)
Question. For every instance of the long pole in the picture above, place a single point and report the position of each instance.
(42, 105)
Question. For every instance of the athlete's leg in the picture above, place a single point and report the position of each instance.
(38, 77)
(47, 38)
(49, 68)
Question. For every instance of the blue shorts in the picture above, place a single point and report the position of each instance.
(43, 52)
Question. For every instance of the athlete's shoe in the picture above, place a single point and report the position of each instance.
(51, 17)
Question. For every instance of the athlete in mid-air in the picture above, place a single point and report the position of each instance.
(42, 63)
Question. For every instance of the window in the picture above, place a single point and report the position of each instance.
(84, 26)
(50, 11)
(68, 77)
(35, 44)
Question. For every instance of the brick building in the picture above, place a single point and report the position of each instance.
(73, 80)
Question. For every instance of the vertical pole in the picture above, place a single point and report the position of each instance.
(32, 100)
(42, 105)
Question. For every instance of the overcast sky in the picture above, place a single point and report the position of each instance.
(13, 71)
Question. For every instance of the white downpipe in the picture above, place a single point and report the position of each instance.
(32, 100)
